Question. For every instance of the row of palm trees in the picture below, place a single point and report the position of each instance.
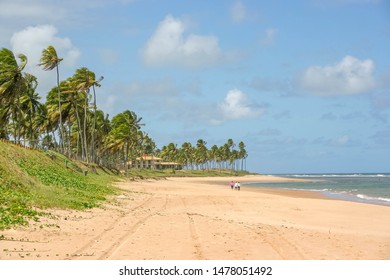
(70, 122)
(200, 157)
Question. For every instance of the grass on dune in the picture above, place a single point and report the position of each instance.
(32, 181)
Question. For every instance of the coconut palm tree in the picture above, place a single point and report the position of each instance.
(213, 154)
(201, 153)
(242, 154)
(12, 85)
(83, 80)
(124, 134)
(49, 61)
(102, 129)
(94, 85)
(149, 148)
(188, 154)
(30, 105)
(170, 153)
(230, 148)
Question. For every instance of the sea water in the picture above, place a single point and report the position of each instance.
(367, 187)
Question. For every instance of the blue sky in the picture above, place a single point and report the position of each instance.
(305, 84)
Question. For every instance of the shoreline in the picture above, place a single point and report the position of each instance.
(325, 193)
(199, 218)
(249, 179)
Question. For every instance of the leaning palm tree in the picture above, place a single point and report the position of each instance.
(101, 130)
(76, 100)
(12, 85)
(29, 104)
(49, 61)
(83, 80)
(93, 148)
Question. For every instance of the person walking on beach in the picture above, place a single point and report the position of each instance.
(231, 184)
(238, 186)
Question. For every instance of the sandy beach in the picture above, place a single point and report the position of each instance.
(203, 219)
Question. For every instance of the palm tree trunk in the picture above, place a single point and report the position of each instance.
(93, 155)
(79, 129)
(85, 127)
(62, 145)
(18, 119)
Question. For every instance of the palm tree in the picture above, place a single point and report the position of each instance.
(124, 134)
(149, 148)
(102, 129)
(49, 61)
(201, 153)
(188, 154)
(242, 154)
(12, 85)
(83, 80)
(170, 153)
(230, 156)
(213, 154)
(93, 151)
(30, 105)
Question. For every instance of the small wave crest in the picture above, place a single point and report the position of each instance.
(363, 196)
(356, 175)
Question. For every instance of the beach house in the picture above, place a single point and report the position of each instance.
(153, 162)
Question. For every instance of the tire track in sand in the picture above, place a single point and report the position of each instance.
(193, 231)
(124, 238)
(194, 236)
(109, 229)
(285, 248)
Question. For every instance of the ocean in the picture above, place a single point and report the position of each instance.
(365, 188)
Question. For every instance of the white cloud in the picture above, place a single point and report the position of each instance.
(269, 38)
(169, 46)
(238, 11)
(237, 106)
(348, 77)
(32, 40)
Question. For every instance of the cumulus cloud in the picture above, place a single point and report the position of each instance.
(348, 77)
(169, 46)
(237, 106)
(33, 39)
(238, 11)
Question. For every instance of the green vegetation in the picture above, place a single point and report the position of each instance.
(32, 181)
(135, 174)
